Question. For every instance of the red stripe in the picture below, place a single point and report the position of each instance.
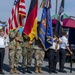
(23, 13)
(21, 6)
(6, 30)
(15, 19)
(11, 19)
(10, 24)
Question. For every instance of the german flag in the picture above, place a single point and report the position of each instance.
(30, 28)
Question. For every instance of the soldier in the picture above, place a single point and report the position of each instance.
(38, 54)
(26, 54)
(14, 50)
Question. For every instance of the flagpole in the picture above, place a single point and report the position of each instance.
(56, 7)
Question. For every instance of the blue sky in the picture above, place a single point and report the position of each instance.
(6, 6)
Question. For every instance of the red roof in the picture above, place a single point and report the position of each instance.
(67, 22)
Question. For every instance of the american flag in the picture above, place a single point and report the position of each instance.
(18, 13)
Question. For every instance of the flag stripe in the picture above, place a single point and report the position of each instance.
(34, 29)
(32, 5)
(30, 28)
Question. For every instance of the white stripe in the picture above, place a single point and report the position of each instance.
(13, 23)
(22, 4)
(62, 14)
(21, 9)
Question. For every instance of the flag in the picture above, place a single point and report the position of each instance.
(58, 28)
(30, 28)
(18, 12)
(45, 29)
(46, 3)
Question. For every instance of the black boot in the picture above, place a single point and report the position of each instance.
(23, 70)
(28, 70)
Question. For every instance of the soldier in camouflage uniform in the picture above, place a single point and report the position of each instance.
(14, 51)
(39, 53)
(26, 55)
(39, 56)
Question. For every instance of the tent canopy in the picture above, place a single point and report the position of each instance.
(55, 16)
(67, 20)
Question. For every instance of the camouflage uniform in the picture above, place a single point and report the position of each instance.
(39, 54)
(14, 50)
(26, 53)
(14, 54)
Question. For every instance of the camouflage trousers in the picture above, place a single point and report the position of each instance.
(14, 56)
(26, 57)
(39, 56)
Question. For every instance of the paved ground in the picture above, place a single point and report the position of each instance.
(45, 68)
